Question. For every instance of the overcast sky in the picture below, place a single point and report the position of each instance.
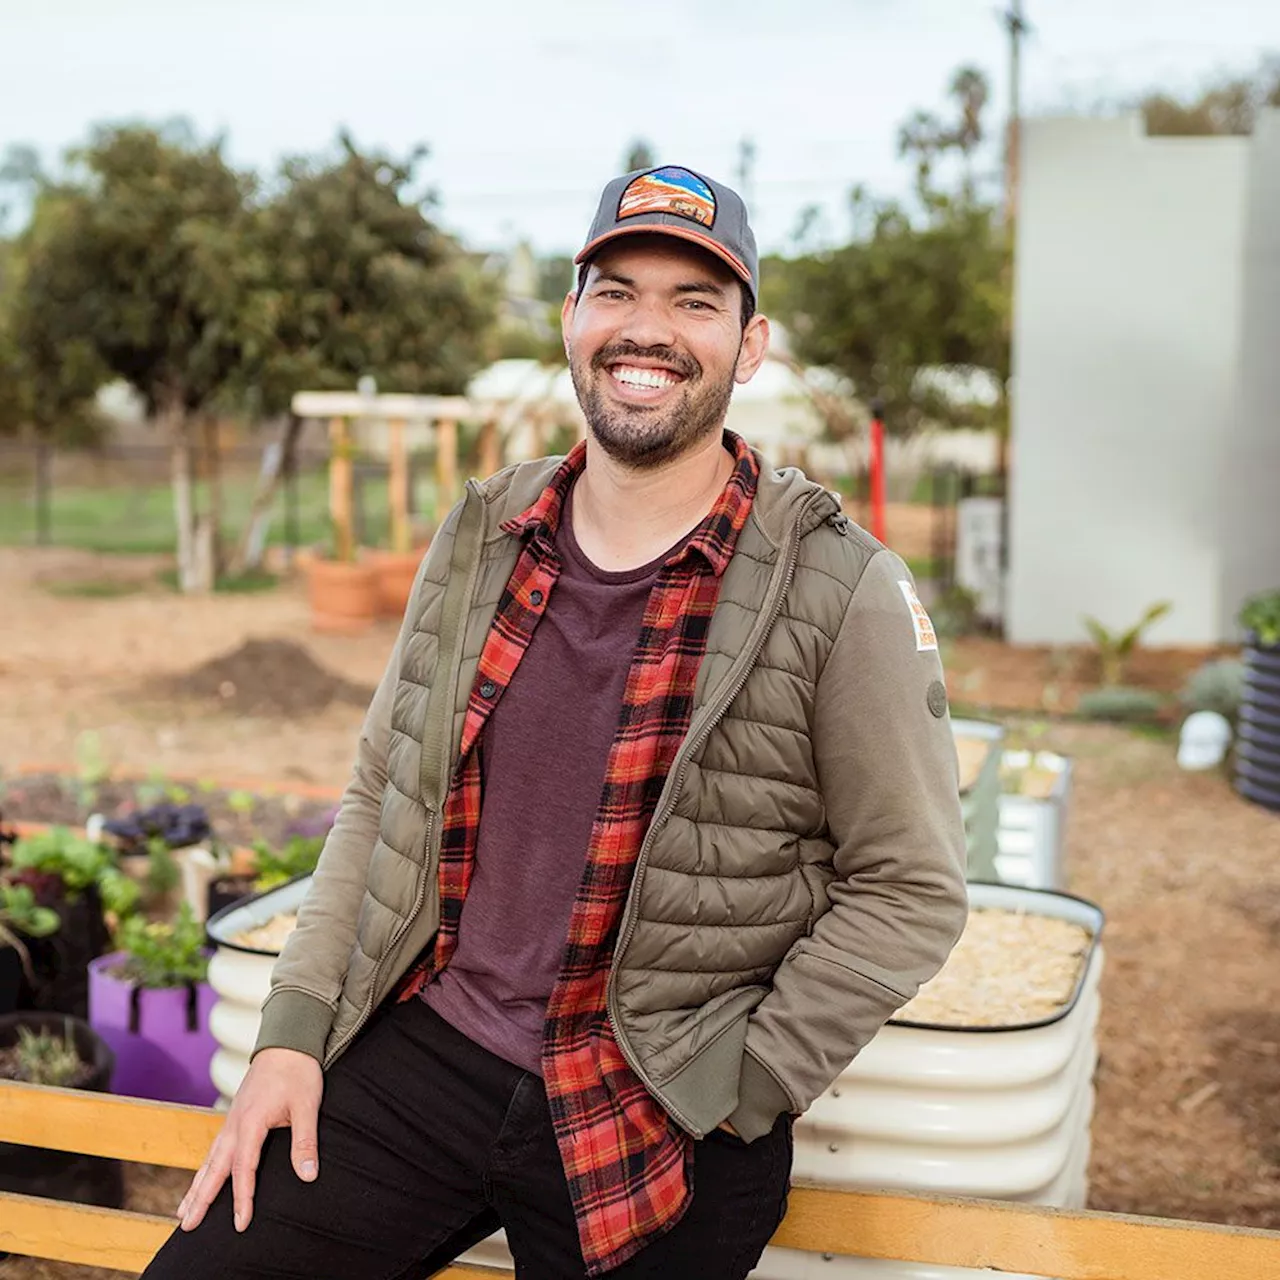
(528, 105)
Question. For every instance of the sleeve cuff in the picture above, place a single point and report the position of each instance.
(761, 1100)
(294, 1020)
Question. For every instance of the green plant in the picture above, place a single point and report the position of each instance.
(1260, 614)
(44, 1058)
(1120, 703)
(164, 954)
(1115, 647)
(296, 857)
(20, 915)
(78, 863)
(956, 613)
(1215, 686)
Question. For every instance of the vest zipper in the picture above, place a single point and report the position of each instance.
(666, 803)
(426, 875)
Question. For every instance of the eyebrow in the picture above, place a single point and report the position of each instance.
(691, 286)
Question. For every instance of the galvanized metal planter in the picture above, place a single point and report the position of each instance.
(979, 745)
(1257, 755)
(1030, 841)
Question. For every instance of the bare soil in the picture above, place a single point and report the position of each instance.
(1187, 1122)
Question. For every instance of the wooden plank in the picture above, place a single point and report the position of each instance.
(340, 489)
(351, 404)
(446, 465)
(1001, 1237)
(398, 487)
(490, 448)
(1024, 1238)
(100, 1124)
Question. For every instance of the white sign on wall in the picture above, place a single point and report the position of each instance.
(979, 539)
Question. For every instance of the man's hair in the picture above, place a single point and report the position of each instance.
(748, 306)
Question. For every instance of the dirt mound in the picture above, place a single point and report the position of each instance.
(267, 677)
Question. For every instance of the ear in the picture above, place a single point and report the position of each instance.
(755, 346)
(567, 312)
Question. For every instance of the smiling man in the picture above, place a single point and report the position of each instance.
(654, 822)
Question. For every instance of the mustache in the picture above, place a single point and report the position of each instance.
(684, 365)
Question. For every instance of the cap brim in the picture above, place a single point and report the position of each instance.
(699, 238)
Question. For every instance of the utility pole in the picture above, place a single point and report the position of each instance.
(1017, 27)
(746, 165)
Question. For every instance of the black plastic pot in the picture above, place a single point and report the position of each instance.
(60, 962)
(10, 979)
(62, 1175)
(1257, 754)
(226, 891)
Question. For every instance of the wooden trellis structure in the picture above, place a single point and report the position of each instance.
(942, 1232)
(341, 409)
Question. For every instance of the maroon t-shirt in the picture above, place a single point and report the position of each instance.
(543, 754)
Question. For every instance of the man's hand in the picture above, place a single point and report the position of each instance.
(728, 1128)
(282, 1088)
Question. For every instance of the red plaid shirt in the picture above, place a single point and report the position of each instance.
(626, 1161)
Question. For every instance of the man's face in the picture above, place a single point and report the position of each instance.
(656, 342)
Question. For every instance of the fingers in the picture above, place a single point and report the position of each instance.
(304, 1150)
(244, 1175)
(207, 1183)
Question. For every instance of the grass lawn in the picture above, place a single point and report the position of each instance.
(139, 518)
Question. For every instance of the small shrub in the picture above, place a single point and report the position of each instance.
(43, 1058)
(164, 955)
(1260, 614)
(1120, 703)
(956, 613)
(77, 863)
(1215, 686)
(1116, 647)
(296, 857)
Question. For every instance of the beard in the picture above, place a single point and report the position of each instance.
(645, 437)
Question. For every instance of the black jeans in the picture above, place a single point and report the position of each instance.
(428, 1143)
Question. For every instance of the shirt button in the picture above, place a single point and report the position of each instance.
(488, 689)
(535, 597)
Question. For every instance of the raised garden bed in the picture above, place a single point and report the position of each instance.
(238, 816)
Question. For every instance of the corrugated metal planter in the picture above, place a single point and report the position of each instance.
(998, 1112)
(1030, 838)
(241, 976)
(978, 744)
(1257, 757)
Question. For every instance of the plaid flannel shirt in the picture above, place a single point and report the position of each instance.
(626, 1162)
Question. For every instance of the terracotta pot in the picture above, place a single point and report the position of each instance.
(396, 571)
(343, 595)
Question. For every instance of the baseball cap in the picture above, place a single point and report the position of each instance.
(678, 202)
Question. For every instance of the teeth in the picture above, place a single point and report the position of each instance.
(644, 377)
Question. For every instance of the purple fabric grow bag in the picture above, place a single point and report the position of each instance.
(160, 1036)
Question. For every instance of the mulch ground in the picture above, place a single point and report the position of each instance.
(1187, 1121)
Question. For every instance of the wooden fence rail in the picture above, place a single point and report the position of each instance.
(942, 1232)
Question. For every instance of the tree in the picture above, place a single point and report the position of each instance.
(357, 281)
(138, 266)
(639, 155)
(1229, 106)
(911, 290)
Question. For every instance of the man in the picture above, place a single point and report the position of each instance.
(654, 822)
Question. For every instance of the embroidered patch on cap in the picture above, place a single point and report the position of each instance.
(669, 190)
(926, 637)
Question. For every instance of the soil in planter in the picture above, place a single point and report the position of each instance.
(48, 797)
(266, 678)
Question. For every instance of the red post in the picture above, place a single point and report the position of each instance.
(877, 472)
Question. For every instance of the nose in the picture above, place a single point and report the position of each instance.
(648, 323)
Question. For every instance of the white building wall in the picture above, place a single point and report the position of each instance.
(1126, 356)
(1250, 497)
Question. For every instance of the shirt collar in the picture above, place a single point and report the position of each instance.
(713, 539)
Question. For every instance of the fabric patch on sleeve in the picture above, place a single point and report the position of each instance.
(926, 637)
